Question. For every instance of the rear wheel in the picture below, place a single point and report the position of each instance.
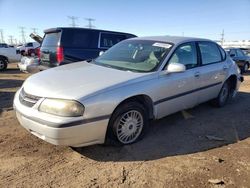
(128, 123)
(223, 96)
(245, 67)
(3, 63)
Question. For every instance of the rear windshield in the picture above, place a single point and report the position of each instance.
(51, 39)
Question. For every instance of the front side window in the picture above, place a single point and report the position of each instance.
(209, 53)
(186, 55)
(135, 55)
(109, 39)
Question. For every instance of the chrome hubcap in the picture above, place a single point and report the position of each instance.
(129, 127)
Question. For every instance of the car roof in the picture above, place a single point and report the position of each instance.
(171, 39)
(51, 30)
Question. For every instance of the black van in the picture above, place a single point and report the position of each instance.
(65, 45)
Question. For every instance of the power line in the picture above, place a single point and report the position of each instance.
(73, 21)
(34, 30)
(11, 39)
(90, 25)
(22, 34)
(222, 37)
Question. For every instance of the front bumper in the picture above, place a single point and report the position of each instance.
(76, 133)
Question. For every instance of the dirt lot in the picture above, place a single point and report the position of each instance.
(175, 153)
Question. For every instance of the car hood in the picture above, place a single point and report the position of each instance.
(78, 80)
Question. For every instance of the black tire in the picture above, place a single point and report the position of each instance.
(3, 63)
(113, 137)
(245, 68)
(223, 96)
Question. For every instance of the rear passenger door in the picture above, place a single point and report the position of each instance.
(212, 72)
(177, 91)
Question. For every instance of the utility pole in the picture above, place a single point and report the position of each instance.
(34, 30)
(22, 34)
(73, 21)
(90, 25)
(222, 37)
(15, 41)
(1, 35)
(11, 39)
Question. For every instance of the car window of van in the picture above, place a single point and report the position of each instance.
(110, 39)
(79, 38)
(51, 39)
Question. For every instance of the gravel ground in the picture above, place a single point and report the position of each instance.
(178, 151)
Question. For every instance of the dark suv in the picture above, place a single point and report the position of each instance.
(66, 45)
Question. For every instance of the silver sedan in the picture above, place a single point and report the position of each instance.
(114, 97)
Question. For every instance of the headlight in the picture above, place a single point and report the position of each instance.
(61, 107)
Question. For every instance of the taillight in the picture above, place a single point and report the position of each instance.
(59, 54)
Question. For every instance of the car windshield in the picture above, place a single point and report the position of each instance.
(135, 55)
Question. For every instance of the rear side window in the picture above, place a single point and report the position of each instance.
(79, 38)
(110, 39)
(51, 39)
(210, 53)
(223, 53)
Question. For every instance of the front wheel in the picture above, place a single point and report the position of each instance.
(128, 123)
(3, 64)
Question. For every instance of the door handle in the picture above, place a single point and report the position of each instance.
(197, 74)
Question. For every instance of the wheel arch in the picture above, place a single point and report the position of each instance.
(232, 79)
(4, 57)
(143, 99)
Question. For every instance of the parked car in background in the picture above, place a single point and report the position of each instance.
(64, 45)
(116, 95)
(246, 51)
(28, 64)
(8, 55)
(242, 60)
(4, 45)
(28, 48)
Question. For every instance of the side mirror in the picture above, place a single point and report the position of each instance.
(176, 67)
(101, 52)
(232, 55)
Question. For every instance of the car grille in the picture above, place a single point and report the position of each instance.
(27, 99)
